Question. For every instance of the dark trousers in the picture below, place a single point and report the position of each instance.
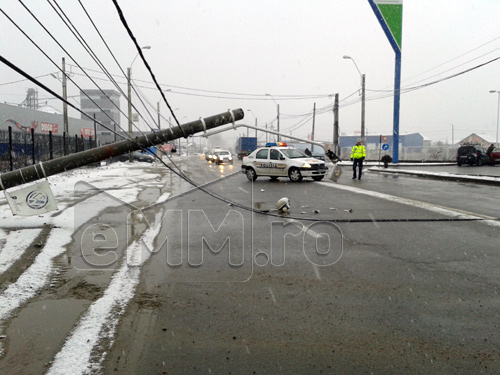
(357, 163)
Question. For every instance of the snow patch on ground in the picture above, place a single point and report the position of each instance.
(38, 274)
(103, 316)
(15, 245)
(35, 277)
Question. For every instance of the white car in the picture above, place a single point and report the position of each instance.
(276, 161)
(222, 157)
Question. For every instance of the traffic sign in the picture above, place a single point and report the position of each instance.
(385, 138)
(385, 146)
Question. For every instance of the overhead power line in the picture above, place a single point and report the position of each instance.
(139, 49)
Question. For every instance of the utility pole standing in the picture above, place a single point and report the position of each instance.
(129, 93)
(158, 109)
(278, 121)
(65, 105)
(363, 138)
(336, 126)
(314, 120)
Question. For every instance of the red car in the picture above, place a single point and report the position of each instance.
(495, 155)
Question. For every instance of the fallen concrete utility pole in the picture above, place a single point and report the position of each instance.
(266, 131)
(80, 159)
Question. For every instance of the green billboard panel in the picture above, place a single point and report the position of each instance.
(392, 11)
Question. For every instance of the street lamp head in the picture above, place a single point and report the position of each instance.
(356, 65)
(146, 47)
(493, 91)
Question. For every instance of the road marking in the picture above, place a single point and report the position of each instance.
(446, 211)
(244, 190)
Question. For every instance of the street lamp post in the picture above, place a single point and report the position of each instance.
(278, 117)
(362, 98)
(129, 92)
(249, 110)
(498, 112)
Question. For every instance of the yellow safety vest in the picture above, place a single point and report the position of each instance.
(358, 152)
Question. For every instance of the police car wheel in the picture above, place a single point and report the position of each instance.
(318, 178)
(251, 175)
(295, 175)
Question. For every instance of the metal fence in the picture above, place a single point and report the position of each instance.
(20, 149)
(445, 153)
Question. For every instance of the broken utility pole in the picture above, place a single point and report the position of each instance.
(80, 159)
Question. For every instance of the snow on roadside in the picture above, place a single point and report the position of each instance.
(35, 277)
(15, 245)
(38, 273)
(102, 317)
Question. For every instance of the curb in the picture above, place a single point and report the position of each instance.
(488, 180)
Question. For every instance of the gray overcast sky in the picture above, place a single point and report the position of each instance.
(219, 54)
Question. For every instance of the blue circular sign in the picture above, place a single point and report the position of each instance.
(385, 146)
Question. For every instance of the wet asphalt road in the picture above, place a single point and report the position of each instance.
(405, 283)
(392, 274)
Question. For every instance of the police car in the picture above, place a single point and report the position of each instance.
(277, 160)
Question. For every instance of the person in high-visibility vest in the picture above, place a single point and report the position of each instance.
(358, 154)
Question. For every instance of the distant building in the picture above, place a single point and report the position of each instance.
(23, 119)
(49, 109)
(105, 105)
(374, 141)
(474, 139)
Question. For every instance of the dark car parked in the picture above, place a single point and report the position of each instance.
(136, 156)
(472, 154)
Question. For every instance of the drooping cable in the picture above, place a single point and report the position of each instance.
(48, 57)
(132, 86)
(89, 50)
(125, 24)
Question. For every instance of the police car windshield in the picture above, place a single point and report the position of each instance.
(293, 153)
(222, 153)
